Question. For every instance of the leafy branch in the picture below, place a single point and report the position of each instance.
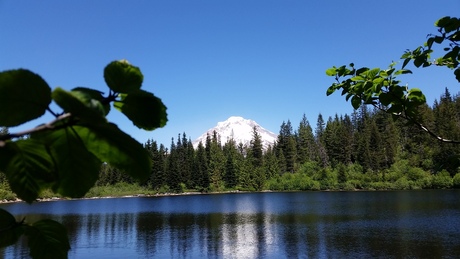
(65, 155)
(381, 89)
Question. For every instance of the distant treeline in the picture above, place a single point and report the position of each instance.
(364, 150)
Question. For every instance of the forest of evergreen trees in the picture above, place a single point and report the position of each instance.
(364, 150)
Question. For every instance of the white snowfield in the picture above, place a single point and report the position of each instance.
(240, 129)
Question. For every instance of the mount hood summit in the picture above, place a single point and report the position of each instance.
(240, 129)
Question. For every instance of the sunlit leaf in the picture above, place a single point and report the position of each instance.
(331, 71)
(415, 95)
(330, 90)
(28, 167)
(10, 230)
(96, 95)
(24, 96)
(47, 239)
(145, 110)
(373, 73)
(77, 169)
(123, 77)
(111, 145)
(79, 105)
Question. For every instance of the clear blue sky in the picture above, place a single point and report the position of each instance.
(209, 60)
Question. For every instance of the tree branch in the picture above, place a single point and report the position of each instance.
(47, 126)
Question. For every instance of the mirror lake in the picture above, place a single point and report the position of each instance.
(359, 224)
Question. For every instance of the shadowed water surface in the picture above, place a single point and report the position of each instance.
(399, 224)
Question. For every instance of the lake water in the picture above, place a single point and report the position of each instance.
(396, 224)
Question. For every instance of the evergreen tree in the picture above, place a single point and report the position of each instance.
(447, 126)
(201, 175)
(173, 178)
(271, 163)
(230, 152)
(256, 148)
(306, 146)
(216, 162)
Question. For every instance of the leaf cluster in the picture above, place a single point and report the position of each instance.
(65, 155)
(381, 87)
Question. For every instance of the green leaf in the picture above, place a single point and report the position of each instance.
(457, 74)
(331, 71)
(443, 21)
(355, 102)
(47, 239)
(373, 72)
(28, 167)
(77, 169)
(24, 96)
(361, 70)
(330, 90)
(144, 109)
(96, 95)
(357, 78)
(429, 42)
(123, 77)
(402, 72)
(385, 98)
(10, 230)
(438, 39)
(406, 61)
(415, 95)
(80, 105)
(118, 149)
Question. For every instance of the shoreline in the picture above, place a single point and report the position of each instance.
(123, 196)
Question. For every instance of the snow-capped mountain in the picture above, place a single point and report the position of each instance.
(240, 129)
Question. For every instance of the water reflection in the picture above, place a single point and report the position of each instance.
(270, 225)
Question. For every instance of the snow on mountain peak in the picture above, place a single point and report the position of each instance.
(240, 130)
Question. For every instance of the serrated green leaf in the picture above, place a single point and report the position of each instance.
(123, 77)
(118, 149)
(10, 230)
(145, 110)
(80, 105)
(28, 167)
(355, 102)
(24, 96)
(47, 239)
(331, 71)
(96, 95)
(77, 169)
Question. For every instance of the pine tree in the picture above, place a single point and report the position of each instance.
(216, 162)
(201, 174)
(256, 148)
(230, 152)
(306, 146)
